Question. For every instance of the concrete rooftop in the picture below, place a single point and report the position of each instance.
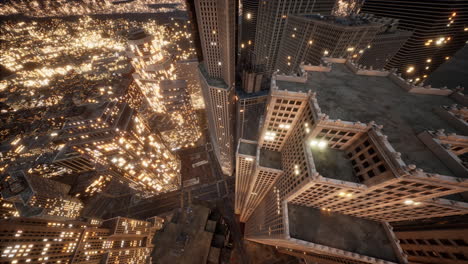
(333, 163)
(184, 240)
(344, 95)
(339, 231)
(270, 159)
(247, 148)
(216, 82)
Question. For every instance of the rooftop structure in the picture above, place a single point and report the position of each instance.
(343, 232)
(385, 165)
(193, 235)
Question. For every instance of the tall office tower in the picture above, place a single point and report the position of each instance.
(435, 243)
(216, 22)
(271, 21)
(39, 197)
(248, 24)
(117, 240)
(163, 93)
(307, 38)
(385, 44)
(340, 170)
(439, 31)
(112, 138)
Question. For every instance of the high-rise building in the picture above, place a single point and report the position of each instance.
(437, 244)
(39, 197)
(271, 20)
(308, 38)
(352, 154)
(7, 209)
(385, 44)
(439, 32)
(164, 94)
(117, 240)
(112, 138)
(247, 29)
(216, 22)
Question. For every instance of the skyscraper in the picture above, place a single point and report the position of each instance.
(216, 22)
(38, 197)
(271, 20)
(439, 31)
(247, 29)
(443, 243)
(334, 172)
(385, 44)
(164, 94)
(117, 240)
(308, 38)
(112, 137)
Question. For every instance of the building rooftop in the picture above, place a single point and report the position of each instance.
(243, 95)
(216, 82)
(184, 240)
(136, 33)
(246, 148)
(333, 163)
(341, 94)
(270, 159)
(344, 232)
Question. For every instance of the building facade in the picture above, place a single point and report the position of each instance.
(164, 94)
(39, 197)
(250, 109)
(117, 240)
(308, 38)
(7, 209)
(271, 20)
(112, 138)
(334, 171)
(247, 29)
(385, 44)
(434, 40)
(216, 22)
(438, 245)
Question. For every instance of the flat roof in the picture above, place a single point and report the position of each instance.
(344, 232)
(186, 240)
(333, 163)
(270, 159)
(246, 148)
(341, 94)
(216, 82)
(243, 95)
